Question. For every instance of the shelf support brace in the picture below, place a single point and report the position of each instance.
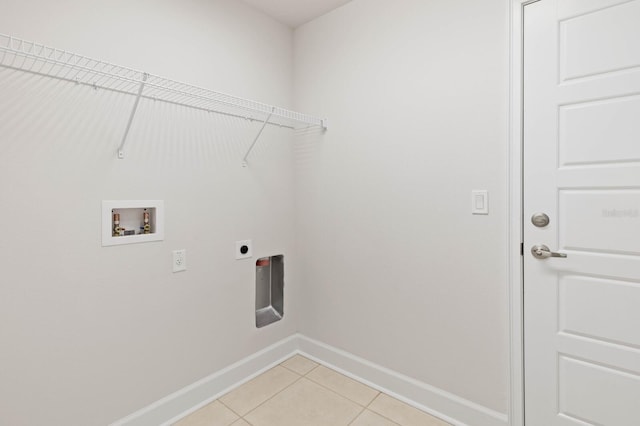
(133, 113)
(244, 160)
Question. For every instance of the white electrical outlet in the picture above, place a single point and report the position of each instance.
(244, 249)
(179, 260)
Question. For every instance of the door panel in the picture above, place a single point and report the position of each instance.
(571, 8)
(590, 45)
(582, 168)
(593, 133)
(611, 216)
(597, 394)
(600, 309)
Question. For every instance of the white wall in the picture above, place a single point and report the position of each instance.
(91, 334)
(374, 221)
(396, 269)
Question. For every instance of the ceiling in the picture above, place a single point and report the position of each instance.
(295, 12)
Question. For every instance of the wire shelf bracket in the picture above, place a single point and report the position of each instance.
(59, 64)
(133, 113)
(255, 140)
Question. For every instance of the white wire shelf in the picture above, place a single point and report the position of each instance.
(62, 65)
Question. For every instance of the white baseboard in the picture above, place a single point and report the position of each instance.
(449, 407)
(177, 405)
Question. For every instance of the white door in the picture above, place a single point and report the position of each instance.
(582, 169)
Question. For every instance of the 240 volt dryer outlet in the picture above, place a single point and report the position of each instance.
(244, 249)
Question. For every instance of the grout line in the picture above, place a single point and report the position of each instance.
(293, 371)
(304, 376)
(313, 369)
(335, 392)
(299, 377)
(379, 393)
(274, 395)
(400, 424)
(226, 406)
(272, 368)
(217, 395)
(376, 397)
(379, 414)
(248, 422)
(356, 417)
(234, 421)
(344, 396)
(363, 408)
(387, 418)
(374, 412)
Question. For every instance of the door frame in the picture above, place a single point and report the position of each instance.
(516, 221)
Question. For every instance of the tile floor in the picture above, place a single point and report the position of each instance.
(300, 392)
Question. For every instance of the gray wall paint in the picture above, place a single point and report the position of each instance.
(396, 269)
(91, 334)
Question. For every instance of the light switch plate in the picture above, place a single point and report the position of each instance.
(480, 201)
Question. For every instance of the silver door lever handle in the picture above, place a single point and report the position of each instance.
(541, 251)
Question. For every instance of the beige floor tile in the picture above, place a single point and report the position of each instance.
(349, 388)
(240, 423)
(255, 392)
(369, 418)
(214, 414)
(299, 364)
(305, 403)
(402, 413)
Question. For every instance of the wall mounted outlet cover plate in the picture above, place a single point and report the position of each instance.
(179, 260)
(244, 249)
